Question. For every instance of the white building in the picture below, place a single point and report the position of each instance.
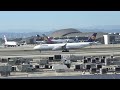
(106, 39)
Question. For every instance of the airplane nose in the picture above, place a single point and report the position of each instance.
(36, 47)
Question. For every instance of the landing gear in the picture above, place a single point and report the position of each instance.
(64, 49)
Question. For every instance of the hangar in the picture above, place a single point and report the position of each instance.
(72, 33)
(64, 32)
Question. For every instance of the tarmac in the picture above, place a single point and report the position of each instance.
(104, 76)
(28, 52)
(63, 75)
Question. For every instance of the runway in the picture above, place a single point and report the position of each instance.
(28, 52)
(104, 76)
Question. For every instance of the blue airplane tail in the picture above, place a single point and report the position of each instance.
(76, 39)
(92, 38)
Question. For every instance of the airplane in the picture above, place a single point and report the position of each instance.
(10, 43)
(40, 40)
(65, 47)
(51, 41)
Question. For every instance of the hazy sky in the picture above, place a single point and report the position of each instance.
(26, 21)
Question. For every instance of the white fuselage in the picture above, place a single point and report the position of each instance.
(10, 43)
(59, 46)
(62, 40)
(43, 42)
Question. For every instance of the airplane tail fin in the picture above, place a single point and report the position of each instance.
(76, 39)
(47, 39)
(37, 35)
(5, 38)
(92, 38)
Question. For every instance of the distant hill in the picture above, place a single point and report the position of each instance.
(12, 35)
(104, 28)
(100, 30)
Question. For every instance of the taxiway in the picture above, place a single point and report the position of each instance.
(27, 51)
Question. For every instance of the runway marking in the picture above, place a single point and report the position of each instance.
(30, 49)
(42, 55)
(47, 53)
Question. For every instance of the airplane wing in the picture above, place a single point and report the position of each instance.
(63, 47)
(57, 48)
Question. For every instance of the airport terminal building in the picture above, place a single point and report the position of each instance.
(112, 38)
